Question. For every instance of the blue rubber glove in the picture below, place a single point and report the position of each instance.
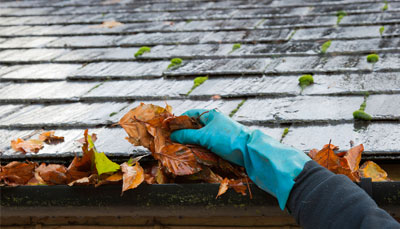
(271, 165)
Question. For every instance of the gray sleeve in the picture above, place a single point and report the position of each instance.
(321, 199)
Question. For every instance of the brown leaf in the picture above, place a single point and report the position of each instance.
(49, 138)
(82, 167)
(32, 145)
(182, 122)
(116, 177)
(223, 187)
(132, 177)
(108, 24)
(84, 181)
(17, 173)
(373, 171)
(178, 159)
(204, 156)
(53, 173)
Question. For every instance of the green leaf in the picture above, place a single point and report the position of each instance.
(104, 165)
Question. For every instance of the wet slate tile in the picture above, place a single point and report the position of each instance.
(188, 51)
(18, 56)
(299, 109)
(220, 66)
(121, 70)
(248, 86)
(98, 54)
(41, 91)
(84, 41)
(27, 42)
(337, 33)
(8, 109)
(384, 106)
(136, 89)
(62, 115)
(363, 45)
(291, 65)
(376, 137)
(5, 69)
(41, 71)
(267, 35)
(376, 82)
(386, 62)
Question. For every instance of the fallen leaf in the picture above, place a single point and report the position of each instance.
(29, 146)
(353, 157)
(238, 186)
(82, 167)
(339, 165)
(108, 24)
(178, 159)
(53, 173)
(84, 181)
(223, 187)
(17, 173)
(216, 97)
(372, 170)
(182, 122)
(104, 165)
(132, 177)
(49, 138)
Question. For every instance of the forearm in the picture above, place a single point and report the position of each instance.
(321, 199)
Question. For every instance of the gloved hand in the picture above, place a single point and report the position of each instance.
(271, 165)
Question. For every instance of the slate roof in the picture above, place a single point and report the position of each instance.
(58, 71)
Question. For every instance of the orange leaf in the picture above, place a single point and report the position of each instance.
(373, 171)
(17, 173)
(353, 157)
(32, 145)
(339, 165)
(132, 176)
(223, 187)
(49, 138)
(238, 186)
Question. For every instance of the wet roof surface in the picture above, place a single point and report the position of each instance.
(60, 71)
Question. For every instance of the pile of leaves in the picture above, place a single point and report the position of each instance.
(92, 168)
(348, 163)
(150, 126)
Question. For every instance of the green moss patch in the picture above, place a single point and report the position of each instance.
(305, 81)
(142, 50)
(325, 46)
(197, 82)
(381, 30)
(340, 15)
(236, 46)
(360, 113)
(233, 112)
(372, 58)
(175, 62)
(113, 113)
(285, 132)
(386, 6)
